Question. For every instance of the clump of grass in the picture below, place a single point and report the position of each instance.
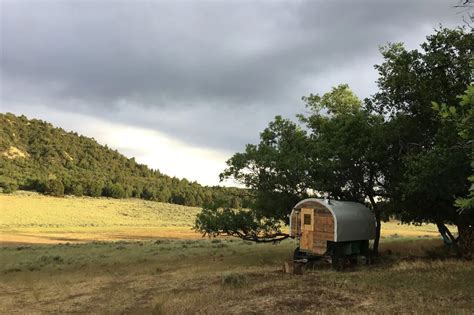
(158, 309)
(215, 241)
(120, 242)
(50, 259)
(34, 268)
(159, 242)
(233, 279)
(23, 247)
(99, 243)
(443, 252)
(220, 245)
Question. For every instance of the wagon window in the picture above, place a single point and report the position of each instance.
(307, 219)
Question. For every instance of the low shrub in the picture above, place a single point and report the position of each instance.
(233, 279)
(50, 259)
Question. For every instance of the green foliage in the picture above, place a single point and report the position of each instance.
(77, 190)
(339, 101)
(347, 154)
(410, 80)
(7, 185)
(218, 219)
(94, 188)
(429, 167)
(273, 169)
(54, 187)
(113, 190)
(36, 156)
(463, 119)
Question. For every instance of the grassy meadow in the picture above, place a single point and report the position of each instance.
(226, 276)
(84, 255)
(28, 217)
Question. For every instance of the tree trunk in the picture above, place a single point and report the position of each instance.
(378, 226)
(445, 233)
(466, 240)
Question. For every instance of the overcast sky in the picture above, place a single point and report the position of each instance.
(182, 85)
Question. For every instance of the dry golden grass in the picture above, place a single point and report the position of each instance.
(67, 270)
(228, 276)
(394, 229)
(33, 218)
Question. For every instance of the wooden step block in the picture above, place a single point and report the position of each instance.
(292, 267)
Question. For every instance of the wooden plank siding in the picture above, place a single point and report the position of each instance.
(321, 230)
(295, 224)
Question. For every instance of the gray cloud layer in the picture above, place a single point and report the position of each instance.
(209, 73)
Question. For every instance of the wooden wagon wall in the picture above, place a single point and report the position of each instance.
(315, 237)
(323, 229)
(295, 224)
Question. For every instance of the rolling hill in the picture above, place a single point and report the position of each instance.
(36, 156)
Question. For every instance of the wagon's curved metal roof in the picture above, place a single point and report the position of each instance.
(352, 220)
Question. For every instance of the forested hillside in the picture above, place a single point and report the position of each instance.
(34, 155)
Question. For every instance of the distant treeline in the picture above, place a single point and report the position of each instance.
(36, 156)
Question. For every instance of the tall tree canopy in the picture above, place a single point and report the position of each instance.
(431, 167)
(348, 156)
(394, 150)
(336, 150)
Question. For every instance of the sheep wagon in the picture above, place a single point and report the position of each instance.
(339, 230)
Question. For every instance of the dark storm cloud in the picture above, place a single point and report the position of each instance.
(210, 73)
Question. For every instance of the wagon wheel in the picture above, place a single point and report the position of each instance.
(338, 258)
(352, 260)
(369, 257)
(338, 263)
(297, 254)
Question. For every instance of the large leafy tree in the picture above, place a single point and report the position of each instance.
(393, 150)
(430, 168)
(348, 154)
(337, 150)
(461, 119)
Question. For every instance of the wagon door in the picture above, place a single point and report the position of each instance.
(307, 220)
